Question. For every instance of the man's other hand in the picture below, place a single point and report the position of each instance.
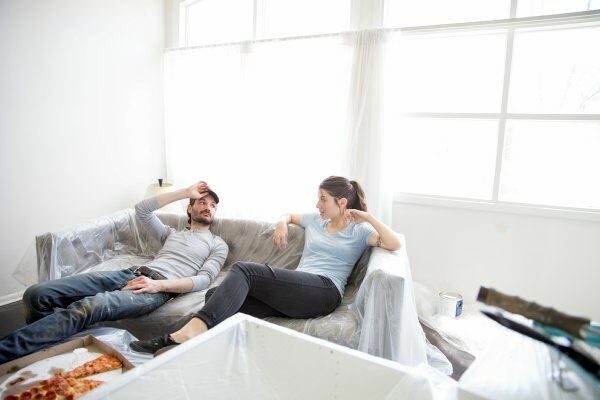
(143, 284)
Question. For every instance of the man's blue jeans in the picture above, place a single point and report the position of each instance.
(84, 299)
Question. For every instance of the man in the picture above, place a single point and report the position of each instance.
(188, 261)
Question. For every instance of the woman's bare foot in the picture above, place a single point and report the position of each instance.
(160, 344)
(192, 329)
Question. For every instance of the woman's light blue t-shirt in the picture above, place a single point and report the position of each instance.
(332, 254)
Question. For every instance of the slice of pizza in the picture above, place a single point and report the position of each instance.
(59, 387)
(72, 388)
(82, 386)
(43, 390)
(101, 364)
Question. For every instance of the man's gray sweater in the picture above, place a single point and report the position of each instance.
(199, 255)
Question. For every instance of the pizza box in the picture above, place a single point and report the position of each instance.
(27, 371)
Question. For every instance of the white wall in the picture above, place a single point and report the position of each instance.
(81, 114)
(553, 261)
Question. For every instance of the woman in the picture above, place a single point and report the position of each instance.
(334, 240)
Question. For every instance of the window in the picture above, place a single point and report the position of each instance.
(445, 73)
(221, 21)
(283, 18)
(552, 162)
(448, 157)
(496, 101)
(528, 8)
(555, 71)
(404, 13)
(503, 112)
(211, 22)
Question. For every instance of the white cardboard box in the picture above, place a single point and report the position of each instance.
(247, 358)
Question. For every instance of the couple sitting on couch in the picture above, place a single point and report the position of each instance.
(190, 260)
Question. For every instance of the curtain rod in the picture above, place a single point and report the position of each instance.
(523, 22)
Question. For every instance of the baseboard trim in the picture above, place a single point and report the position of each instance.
(11, 298)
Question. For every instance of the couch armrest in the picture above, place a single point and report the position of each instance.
(76, 250)
(387, 311)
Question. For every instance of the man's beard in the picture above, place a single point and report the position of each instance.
(202, 220)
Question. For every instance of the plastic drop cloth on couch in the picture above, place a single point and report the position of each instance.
(377, 315)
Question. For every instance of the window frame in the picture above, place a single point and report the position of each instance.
(511, 24)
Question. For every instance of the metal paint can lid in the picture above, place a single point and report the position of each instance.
(451, 304)
(450, 296)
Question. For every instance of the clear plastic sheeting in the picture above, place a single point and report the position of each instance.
(516, 367)
(26, 271)
(438, 360)
(427, 308)
(377, 316)
(119, 340)
(388, 282)
(247, 358)
(459, 339)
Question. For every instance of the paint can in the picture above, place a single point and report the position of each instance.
(450, 304)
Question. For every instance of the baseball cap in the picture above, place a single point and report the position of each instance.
(214, 195)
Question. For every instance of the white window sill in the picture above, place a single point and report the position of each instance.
(499, 206)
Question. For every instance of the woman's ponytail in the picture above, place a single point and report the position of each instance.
(360, 201)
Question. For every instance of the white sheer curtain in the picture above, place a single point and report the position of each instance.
(364, 157)
(263, 123)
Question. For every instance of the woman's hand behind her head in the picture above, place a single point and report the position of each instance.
(357, 216)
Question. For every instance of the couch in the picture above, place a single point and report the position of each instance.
(377, 315)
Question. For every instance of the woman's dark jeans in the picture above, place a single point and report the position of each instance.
(262, 291)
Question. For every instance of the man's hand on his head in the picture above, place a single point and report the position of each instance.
(198, 190)
(143, 284)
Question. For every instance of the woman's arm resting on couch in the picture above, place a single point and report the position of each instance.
(280, 236)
